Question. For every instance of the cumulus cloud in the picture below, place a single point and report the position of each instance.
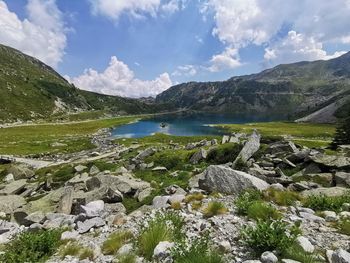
(41, 35)
(118, 79)
(228, 59)
(186, 70)
(295, 47)
(239, 23)
(112, 9)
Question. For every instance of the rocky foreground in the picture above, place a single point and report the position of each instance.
(274, 184)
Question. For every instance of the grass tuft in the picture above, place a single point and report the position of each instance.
(262, 210)
(323, 202)
(215, 208)
(115, 241)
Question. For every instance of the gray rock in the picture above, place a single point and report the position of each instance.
(94, 170)
(289, 261)
(176, 198)
(251, 146)
(305, 244)
(70, 235)
(225, 246)
(163, 250)
(342, 179)
(92, 183)
(225, 139)
(194, 180)
(143, 194)
(160, 202)
(311, 217)
(79, 168)
(65, 204)
(282, 146)
(340, 256)
(8, 230)
(122, 170)
(9, 178)
(125, 249)
(146, 153)
(14, 187)
(335, 161)
(21, 172)
(36, 217)
(93, 209)
(268, 257)
(332, 191)
(58, 220)
(83, 227)
(9, 203)
(222, 179)
(198, 156)
(330, 216)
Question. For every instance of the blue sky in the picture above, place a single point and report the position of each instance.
(141, 47)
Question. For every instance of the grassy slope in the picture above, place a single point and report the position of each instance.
(311, 135)
(32, 139)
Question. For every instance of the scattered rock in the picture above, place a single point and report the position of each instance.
(250, 147)
(305, 244)
(268, 257)
(65, 205)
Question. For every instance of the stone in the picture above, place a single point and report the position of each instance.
(112, 195)
(36, 217)
(225, 246)
(342, 179)
(146, 153)
(330, 216)
(163, 250)
(344, 214)
(14, 187)
(143, 194)
(289, 261)
(79, 168)
(8, 230)
(20, 172)
(9, 178)
(124, 183)
(340, 256)
(92, 183)
(70, 235)
(65, 204)
(160, 202)
(311, 217)
(305, 244)
(83, 227)
(121, 170)
(282, 146)
(194, 180)
(176, 198)
(58, 220)
(125, 249)
(10, 203)
(268, 257)
(175, 189)
(251, 146)
(94, 170)
(198, 156)
(332, 191)
(159, 169)
(225, 139)
(324, 179)
(93, 209)
(333, 161)
(222, 179)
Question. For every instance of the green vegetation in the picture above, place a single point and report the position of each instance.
(223, 153)
(74, 249)
(115, 241)
(245, 199)
(32, 247)
(270, 235)
(344, 226)
(283, 198)
(159, 230)
(296, 253)
(342, 134)
(198, 252)
(127, 258)
(214, 208)
(323, 202)
(262, 210)
(41, 138)
(194, 197)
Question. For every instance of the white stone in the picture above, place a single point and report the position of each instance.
(305, 244)
(93, 208)
(268, 257)
(162, 250)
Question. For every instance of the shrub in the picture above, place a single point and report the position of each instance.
(176, 205)
(215, 208)
(323, 202)
(115, 241)
(295, 252)
(270, 235)
(283, 198)
(86, 253)
(344, 226)
(32, 247)
(245, 199)
(198, 252)
(167, 227)
(224, 153)
(262, 210)
(342, 134)
(194, 197)
(196, 205)
(127, 258)
(76, 250)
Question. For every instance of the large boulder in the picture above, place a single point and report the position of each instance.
(282, 147)
(340, 256)
(251, 146)
(332, 161)
(332, 191)
(342, 179)
(65, 204)
(15, 187)
(9, 203)
(20, 172)
(222, 179)
(146, 153)
(124, 183)
(198, 156)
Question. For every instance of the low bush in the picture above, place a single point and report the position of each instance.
(215, 208)
(32, 247)
(115, 241)
(262, 210)
(270, 235)
(127, 258)
(283, 198)
(194, 197)
(245, 199)
(198, 252)
(295, 252)
(344, 226)
(323, 202)
(86, 253)
(223, 153)
(76, 250)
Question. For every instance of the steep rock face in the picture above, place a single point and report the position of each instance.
(29, 89)
(294, 89)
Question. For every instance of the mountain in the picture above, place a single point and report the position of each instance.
(293, 90)
(29, 89)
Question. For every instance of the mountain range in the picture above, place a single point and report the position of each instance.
(317, 91)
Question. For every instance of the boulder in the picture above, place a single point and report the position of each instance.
(251, 146)
(225, 139)
(124, 183)
(305, 244)
(222, 179)
(70, 235)
(159, 169)
(143, 194)
(342, 179)
(340, 256)
(65, 204)
(13, 188)
(282, 147)
(21, 172)
(8, 230)
(332, 161)
(160, 202)
(36, 217)
(9, 203)
(332, 191)
(268, 257)
(93, 209)
(83, 227)
(163, 250)
(198, 156)
(146, 153)
(9, 178)
(324, 179)
(79, 168)
(94, 170)
(176, 198)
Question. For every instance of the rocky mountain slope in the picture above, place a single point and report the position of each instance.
(294, 90)
(29, 89)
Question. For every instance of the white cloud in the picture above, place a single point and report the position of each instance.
(112, 9)
(239, 23)
(228, 59)
(41, 35)
(296, 47)
(186, 70)
(118, 79)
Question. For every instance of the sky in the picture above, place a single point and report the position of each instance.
(139, 48)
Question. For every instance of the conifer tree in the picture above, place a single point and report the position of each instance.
(342, 134)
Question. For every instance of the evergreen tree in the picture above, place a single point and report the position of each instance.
(342, 134)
